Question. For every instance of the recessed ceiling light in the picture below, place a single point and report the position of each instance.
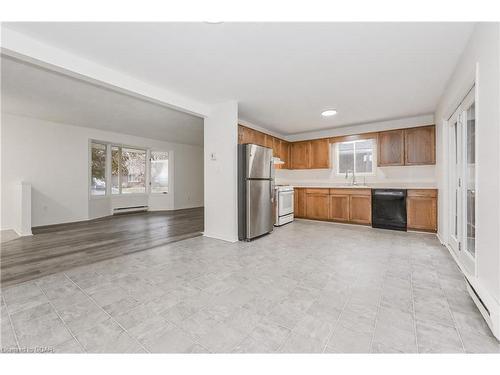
(214, 22)
(328, 113)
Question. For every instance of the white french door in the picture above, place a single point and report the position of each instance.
(462, 182)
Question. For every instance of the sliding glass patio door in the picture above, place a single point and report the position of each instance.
(462, 182)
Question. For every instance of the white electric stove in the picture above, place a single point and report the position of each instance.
(283, 205)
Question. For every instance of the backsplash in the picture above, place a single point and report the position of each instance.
(424, 175)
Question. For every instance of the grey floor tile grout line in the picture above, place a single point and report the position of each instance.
(379, 305)
(11, 323)
(337, 322)
(186, 332)
(60, 318)
(453, 317)
(113, 319)
(413, 311)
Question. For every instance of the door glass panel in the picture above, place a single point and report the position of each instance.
(159, 172)
(457, 174)
(471, 180)
(133, 171)
(115, 170)
(98, 177)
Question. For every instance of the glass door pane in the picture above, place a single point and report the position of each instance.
(470, 180)
(133, 171)
(455, 189)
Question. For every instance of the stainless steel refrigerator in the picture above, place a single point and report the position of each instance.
(255, 191)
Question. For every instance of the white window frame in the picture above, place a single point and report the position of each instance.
(107, 170)
(169, 172)
(374, 157)
(108, 194)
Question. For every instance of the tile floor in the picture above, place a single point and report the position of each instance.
(310, 287)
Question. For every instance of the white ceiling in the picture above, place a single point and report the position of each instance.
(282, 74)
(33, 91)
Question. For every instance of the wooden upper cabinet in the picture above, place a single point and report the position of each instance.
(259, 138)
(391, 145)
(241, 134)
(245, 135)
(285, 154)
(317, 204)
(339, 207)
(320, 154)
(269, 140)
(276, 147)
(300, 153)
(421, 209)
(420, 145)
(360, 209)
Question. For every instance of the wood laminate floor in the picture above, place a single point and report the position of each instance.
(58, 248)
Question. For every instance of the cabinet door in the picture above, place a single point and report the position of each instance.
(259, 138)
(317, 206)
(320, 154)
(391, 148)
(420, 145)
(300, 155)
(421, 213)
(269, 140)
(285, 154)
(276, 147)
(241, 134)
(339, 207)
(360, 209)
(299, 202)
(245, 135)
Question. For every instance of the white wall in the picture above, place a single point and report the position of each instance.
(407, 176)
(221, 156)
(54, 157)
(480, 61)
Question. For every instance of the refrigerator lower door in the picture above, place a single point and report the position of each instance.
(259, 207)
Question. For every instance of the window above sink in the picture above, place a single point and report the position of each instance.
(356, 157)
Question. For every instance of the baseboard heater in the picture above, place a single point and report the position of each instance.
(126, 210)
(477, 297)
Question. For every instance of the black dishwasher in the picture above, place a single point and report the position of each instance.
(389, 209)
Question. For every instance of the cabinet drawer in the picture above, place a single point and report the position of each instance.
(317, 191)
(348, 191)
(430, 193)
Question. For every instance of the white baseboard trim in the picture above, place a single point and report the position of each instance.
(222, 238)
(488, 306)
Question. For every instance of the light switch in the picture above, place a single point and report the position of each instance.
(213, 156)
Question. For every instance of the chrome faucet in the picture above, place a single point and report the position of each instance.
(353, 181)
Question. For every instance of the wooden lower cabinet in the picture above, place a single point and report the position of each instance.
(339, 207)
(421, 210)
(317, 204)
(343, 205)
(299, 203)
(360, 209)
(355, 206)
